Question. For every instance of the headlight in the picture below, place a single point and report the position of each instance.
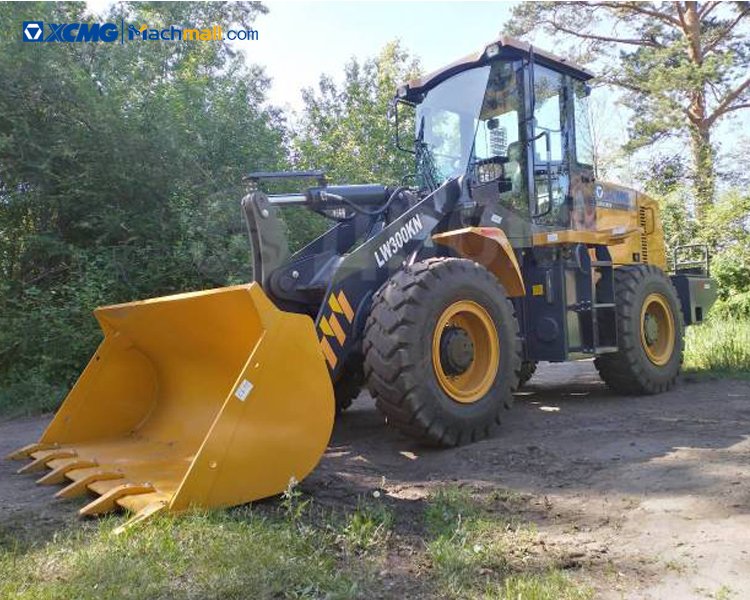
(492, 51)
(403, 91)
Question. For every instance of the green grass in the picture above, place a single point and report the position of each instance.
(474, 552)
(216, 555)
(719, 346)
(288, 549)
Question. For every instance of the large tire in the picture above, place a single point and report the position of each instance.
(647, 307)
(528, 368)
(407, 320)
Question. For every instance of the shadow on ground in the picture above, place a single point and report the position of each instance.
(655, 488)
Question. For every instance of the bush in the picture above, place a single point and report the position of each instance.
(731, 268)
(30, 396)
(734, 308)
(718, 345)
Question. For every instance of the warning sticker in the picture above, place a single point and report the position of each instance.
(243, 390)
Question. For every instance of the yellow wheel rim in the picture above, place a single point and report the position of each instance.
(657, 329)
(471, 322)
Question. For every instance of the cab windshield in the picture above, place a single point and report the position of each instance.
(446, 121)
(470, 123)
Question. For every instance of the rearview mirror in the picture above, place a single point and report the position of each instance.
(403, 124)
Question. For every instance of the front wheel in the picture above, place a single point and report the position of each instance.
(442, 351)
(650, 333)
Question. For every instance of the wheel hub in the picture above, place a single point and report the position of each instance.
(658, 336)
(465, 351)
(456, 351)
(650, 329)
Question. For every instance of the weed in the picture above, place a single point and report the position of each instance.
(723, 593)
(292, 502)
(718, 345)
(368, 527)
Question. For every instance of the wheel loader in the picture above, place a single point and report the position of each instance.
(439, 294)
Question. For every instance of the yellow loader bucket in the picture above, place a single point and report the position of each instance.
(207, 399)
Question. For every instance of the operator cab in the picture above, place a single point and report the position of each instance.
(513, 123)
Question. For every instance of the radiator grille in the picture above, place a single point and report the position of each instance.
(644, 237)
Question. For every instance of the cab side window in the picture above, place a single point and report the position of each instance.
(550, 179)
(584, 138)
(548, 113)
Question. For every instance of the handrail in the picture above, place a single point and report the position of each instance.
(704, 261)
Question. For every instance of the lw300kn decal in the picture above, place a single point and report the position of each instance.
(394, 243)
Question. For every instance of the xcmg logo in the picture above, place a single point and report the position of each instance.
(33, 31)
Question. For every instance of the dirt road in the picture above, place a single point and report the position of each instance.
(653, 492)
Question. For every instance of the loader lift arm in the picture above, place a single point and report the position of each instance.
(334, 277)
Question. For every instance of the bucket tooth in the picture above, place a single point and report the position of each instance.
(108, 501)
(40, 462)
(57, 475)
(25, 452)
(145, 513)
(79, 487)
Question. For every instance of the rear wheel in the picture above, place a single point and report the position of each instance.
(528, 368)
(442, 352)
(649, 330)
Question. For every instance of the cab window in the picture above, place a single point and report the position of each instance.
(584, 139)
(550, 178)
(547, 112)
(497, 154)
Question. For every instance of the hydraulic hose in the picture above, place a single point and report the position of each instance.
(370, 213)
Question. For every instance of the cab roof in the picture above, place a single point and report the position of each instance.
(509, 48)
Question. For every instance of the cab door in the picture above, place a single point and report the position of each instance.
(548, 149)
(582, 174)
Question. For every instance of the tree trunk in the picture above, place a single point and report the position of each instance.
(700, 128)
(704, 175)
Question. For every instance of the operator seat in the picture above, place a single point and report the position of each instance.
(513, 166)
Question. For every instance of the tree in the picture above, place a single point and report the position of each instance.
(345, 130)
(683, 66)
(121, 172)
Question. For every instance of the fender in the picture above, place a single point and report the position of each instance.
(489, 247)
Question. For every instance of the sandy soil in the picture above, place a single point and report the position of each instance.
(652, 493)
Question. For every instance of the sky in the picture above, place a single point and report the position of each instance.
(300, 41)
